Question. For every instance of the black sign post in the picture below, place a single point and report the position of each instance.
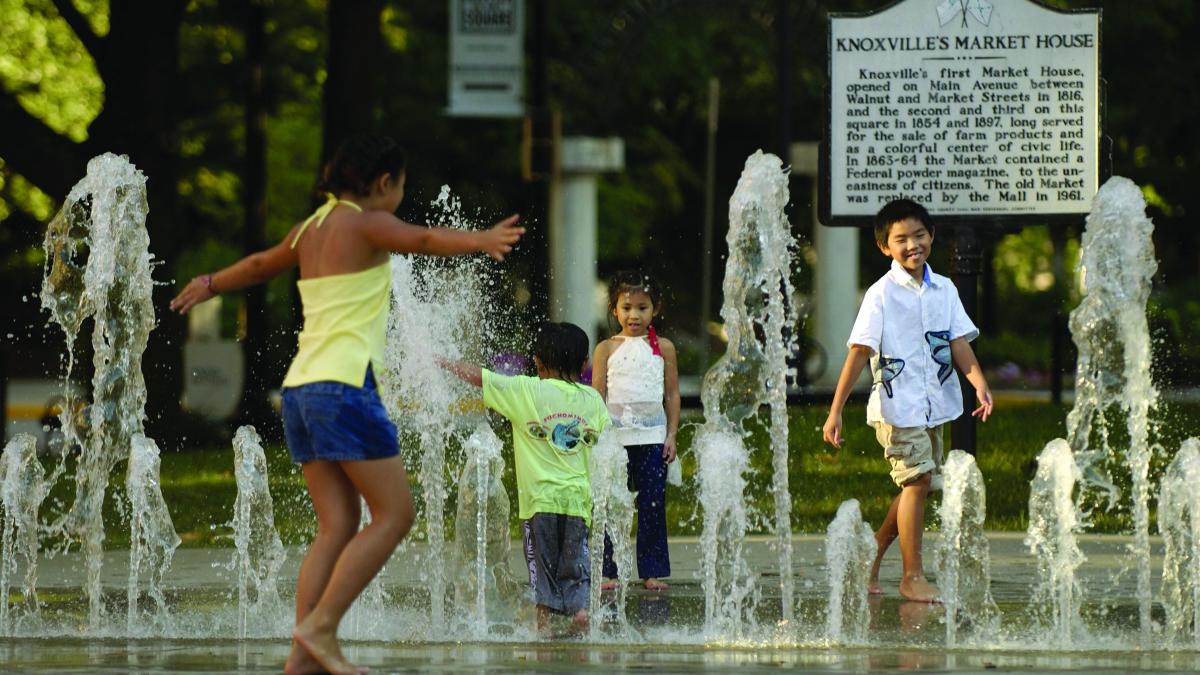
(966, 263)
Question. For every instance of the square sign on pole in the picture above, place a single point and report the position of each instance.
(486, 58)
(984, 111)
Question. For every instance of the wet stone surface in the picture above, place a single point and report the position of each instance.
(666, 629)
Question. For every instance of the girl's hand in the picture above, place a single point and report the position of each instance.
(985, 403)
(669, 451)
(833, 430)
(500, 239)
(197, 291)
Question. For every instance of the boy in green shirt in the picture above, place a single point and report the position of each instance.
(555, 422)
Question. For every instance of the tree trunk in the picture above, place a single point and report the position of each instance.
(351, 96)
(254, 407)
(139, 64)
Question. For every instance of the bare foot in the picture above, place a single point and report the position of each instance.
(873, 587)
(915, 615)
(608, 585)
(918, 589)
(580, 621)
(300, 662)
(323, 648)
(653, 584)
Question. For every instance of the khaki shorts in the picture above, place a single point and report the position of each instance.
(912, 451)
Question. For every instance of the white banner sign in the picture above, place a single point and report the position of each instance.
(970, 107)
(486, 58)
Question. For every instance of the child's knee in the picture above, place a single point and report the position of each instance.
(340, 526)
(403, 520)
(397, 520)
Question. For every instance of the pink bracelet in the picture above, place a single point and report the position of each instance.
(207, 279)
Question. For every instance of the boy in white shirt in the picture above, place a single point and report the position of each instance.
(911, 327)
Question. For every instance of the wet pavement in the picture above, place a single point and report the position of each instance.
(666, 635)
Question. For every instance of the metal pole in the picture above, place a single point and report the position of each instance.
(783, 71)
(706, 255)
(1058, 329)
(966, 258)
(540, 194)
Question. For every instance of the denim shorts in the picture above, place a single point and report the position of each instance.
(335, 422)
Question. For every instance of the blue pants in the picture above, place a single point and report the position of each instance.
(648, 477)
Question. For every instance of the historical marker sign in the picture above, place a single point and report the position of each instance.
(982, 110)
(486, 58)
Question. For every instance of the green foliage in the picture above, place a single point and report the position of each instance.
(25, 196)
(1024, 262)
(1174, 315)
(46, 66)
(46, 69)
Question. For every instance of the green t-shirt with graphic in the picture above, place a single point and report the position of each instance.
(554, 424)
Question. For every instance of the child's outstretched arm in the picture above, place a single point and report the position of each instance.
(467, 372)
(254, 269)
(856, 360)
(964, 358)
(670, 396)
(385, 231)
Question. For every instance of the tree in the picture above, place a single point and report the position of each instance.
(137, 61)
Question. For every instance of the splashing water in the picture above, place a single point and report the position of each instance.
(259, 551)
(753, 371)
(1179, 523)
(22, 489)
(964, 558)
(152, 533)
(438, 308)
(98, 265)
(1055, 521)
(728, 584)
(612, 512)
(482, 537)
(849, 550)
(1109, 328)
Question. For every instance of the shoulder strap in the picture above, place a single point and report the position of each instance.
(322, 213)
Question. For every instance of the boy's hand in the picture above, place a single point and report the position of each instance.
(669, 450)
(500, 239)
(985, 403)
(833, 430)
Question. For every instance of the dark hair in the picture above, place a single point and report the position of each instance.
(562, 347)
(630, 280)
(896, 211)
(359, 160)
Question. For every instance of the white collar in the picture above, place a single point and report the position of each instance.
(902, 277)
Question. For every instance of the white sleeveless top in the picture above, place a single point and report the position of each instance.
(635, 393)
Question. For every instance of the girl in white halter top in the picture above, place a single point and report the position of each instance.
(637, 373)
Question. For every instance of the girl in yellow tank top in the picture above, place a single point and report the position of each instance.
(335, 424)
